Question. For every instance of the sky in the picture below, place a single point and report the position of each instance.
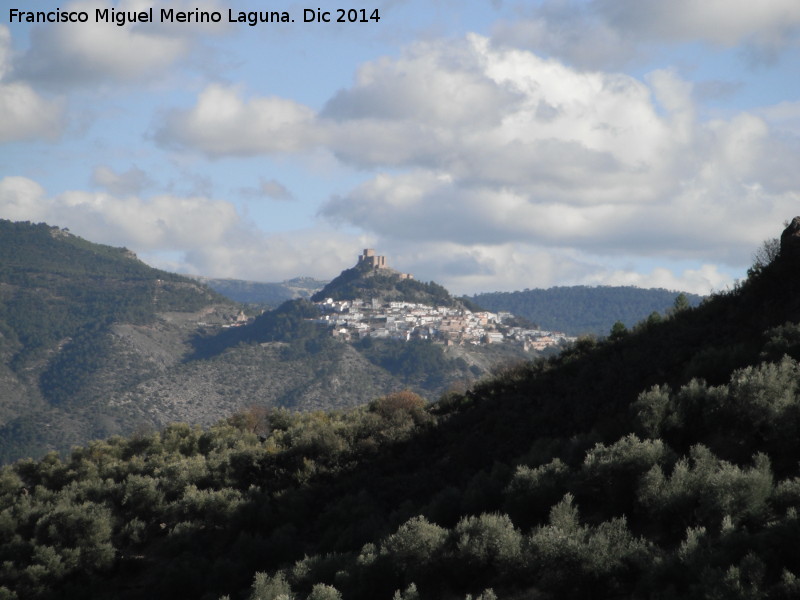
(494, 145)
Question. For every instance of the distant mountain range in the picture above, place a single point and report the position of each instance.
(578, 310)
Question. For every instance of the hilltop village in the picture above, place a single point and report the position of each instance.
(359, 318)
(356, 319)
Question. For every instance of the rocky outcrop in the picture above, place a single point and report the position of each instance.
(790, 241)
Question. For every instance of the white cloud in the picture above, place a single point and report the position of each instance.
(221, 123)
(416, 87)
(571, 31)
(724, 22)
(602, 34)
(103, 53)
(26, 114)
(618, 166)
(486, 145)
(260, 257)
(22, 199)
(132, 181)
(474, 268)
(703, 280)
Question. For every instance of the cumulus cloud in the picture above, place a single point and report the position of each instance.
(222, 123)
(785, 115)
(26, 114)
(132, 181)
(705, 279)
(479, 144)
(102, 53)
(612, 33)
(572, 31)
(615, 165)
(256, 256)
(724, 22)
(22, 199)
(416, 87)
(471, 143)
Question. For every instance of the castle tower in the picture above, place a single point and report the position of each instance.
(369, 258)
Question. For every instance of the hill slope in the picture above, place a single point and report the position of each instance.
(63, 303)
(609, 471)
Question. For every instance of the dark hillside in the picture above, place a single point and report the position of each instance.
(660, 463)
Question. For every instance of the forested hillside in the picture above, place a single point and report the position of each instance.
(659, 463)
(578, 310)
(65, 306)
(54, 285)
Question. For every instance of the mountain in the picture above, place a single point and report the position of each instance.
(93, 343)
(661, 462)
(271, 294)
(579, 310)
(79, 321)
(371, 278)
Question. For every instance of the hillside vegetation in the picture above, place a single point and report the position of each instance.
(55, 285)
(659, 463)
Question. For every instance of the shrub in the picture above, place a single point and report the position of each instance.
(270, 588)
(532, 491)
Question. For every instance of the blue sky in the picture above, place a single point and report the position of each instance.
(490, 145)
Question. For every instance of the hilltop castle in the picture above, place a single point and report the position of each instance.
(372, 261)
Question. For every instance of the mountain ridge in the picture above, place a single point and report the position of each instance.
(580, 310)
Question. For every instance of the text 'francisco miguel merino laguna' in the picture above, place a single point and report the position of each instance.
(169, 15)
